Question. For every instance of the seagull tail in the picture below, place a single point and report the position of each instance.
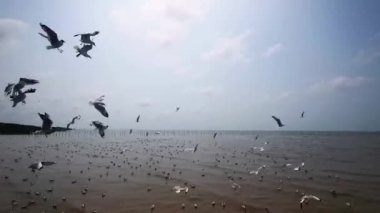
(49, 47)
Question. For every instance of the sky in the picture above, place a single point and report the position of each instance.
(228, 65)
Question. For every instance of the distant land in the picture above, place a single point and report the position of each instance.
(20, 129)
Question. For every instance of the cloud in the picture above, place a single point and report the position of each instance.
(274, 50)
(339, 83)
(11, 31)
(230, 48)
(369, 54)
(145, 102)
(165, 23)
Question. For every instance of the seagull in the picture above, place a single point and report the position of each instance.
(86, 37)
(100, 127)
(20, 97)
(302, 114)
(298, 168)
(179, 189)
(215, 135)
(196, 148)
(138, 119)
(100, 106)
(40, 164)
(305, 199)
(73, 121)
(256, 172)
(52, 37)
(279, 123)
(130, 131)
(47, 124)
(83, 50)
(15, 88)
(177, 109)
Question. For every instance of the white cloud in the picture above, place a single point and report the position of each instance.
(230, 48)
(165, 23)
(369, 54)
(274, 50)
(11, 31)
(145, 102)
(339, 83)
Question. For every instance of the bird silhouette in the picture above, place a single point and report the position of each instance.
(86, 37)
(52, 37)
(100, 127)
(279, 123)
(83, 50)
(100, 106)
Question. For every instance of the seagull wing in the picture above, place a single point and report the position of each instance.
(279, 123)
(53, 38)
(28, 81)
(94, 33)
(30, 91)
(101, 108)
(47, 163)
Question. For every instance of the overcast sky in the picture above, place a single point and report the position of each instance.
(227, 64)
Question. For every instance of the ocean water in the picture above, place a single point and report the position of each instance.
(130, 172)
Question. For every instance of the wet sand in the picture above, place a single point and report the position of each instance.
(130, 173)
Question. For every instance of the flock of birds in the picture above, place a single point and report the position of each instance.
(17, 94)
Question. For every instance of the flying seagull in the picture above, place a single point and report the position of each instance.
(138, 119)
(83, 50)
(279, 123)
(196, 148)
(302, 114)
(13, 88)
(100, 127)
(130, 131)
(305, 199)
(86, 37)
(73, 121)
(40, 164)
(55, 43)
(100, 106)
(47, 124)
(215, 135)
(20, 96)
(177, 109)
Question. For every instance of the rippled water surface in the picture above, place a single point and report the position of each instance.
(129, 172)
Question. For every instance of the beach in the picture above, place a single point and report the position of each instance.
(136, 173)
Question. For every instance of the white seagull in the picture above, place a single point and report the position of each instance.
(256, 172)
(305, 199)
